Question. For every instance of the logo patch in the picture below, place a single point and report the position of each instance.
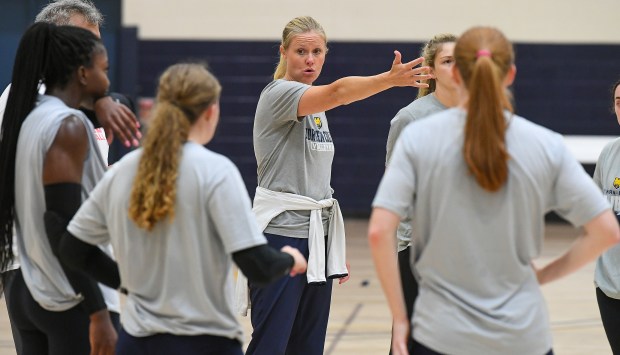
(617, 182)
(318, 122)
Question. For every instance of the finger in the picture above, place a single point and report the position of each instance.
(418, 84)
(397, 58)
(415, 62)
(127, 123)
(119, 132)
(421, 71)
(109, 135)
(130, 113)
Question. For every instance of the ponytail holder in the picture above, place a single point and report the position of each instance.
(185, 111)
(483, 53)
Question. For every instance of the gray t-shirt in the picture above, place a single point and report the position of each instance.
(41, 269)
(473, 249)
(607, 177)
(179, 275)
(293, 154)
(419, 108)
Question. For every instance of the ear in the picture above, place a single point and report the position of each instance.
(431, 71)
(282, 51)
(209, 112)
(510, 76)
(82, 75)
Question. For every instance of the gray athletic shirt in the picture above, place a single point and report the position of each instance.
(607, 177)
(42, 271)
(473, 248)
(293, 154)
(419, 108)
(179, 275)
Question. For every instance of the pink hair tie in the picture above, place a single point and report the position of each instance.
(483, 53)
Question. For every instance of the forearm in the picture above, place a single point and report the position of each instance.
(383, 250)
(62, 201)
(90, 259)
(263, 264)
(354, 88)
(584, 250)
(601, 233)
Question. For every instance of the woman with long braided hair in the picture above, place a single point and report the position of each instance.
(49, 162)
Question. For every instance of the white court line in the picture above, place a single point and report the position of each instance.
(587, 148)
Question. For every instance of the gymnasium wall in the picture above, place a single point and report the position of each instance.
(567, 57)
(17, 15)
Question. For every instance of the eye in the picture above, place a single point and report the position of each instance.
(301, 51)
(317, 51)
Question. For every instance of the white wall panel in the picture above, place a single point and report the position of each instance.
(535, 21)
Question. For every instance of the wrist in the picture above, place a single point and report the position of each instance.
(100, 315)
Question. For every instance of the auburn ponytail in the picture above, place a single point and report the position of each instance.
(484, 57)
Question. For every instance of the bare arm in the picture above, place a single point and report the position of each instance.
(601, 233)
(354, 88)
(63, 165)
(381, 231)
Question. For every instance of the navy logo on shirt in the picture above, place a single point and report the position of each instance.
(318, 122)
(617, 182)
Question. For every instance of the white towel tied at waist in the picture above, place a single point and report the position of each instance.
(268, 204)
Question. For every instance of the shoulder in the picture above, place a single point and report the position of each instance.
(211, 161)
(611, 146)
(283, 87)
(531, 131)
(72, 130)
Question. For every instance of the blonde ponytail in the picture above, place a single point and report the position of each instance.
(185, 91)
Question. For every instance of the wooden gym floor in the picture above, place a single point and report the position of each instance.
(360, 320)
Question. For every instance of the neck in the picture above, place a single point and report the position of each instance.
(446, 97)
(199, 133)
(70, 95)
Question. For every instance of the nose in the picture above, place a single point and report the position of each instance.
(310, 59)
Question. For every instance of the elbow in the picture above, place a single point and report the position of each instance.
(613, 237)
(375, 236)
(66, 254)
(382, 227)
(63, 253)
(340, 97)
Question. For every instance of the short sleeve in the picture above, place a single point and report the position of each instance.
(575, 195)
(230, 211)
(397, 188)
(283, 99)
(598, 170)
(397, 125)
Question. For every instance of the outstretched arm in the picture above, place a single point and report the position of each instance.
(354, 88)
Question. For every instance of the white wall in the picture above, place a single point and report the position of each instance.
(534, 21)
